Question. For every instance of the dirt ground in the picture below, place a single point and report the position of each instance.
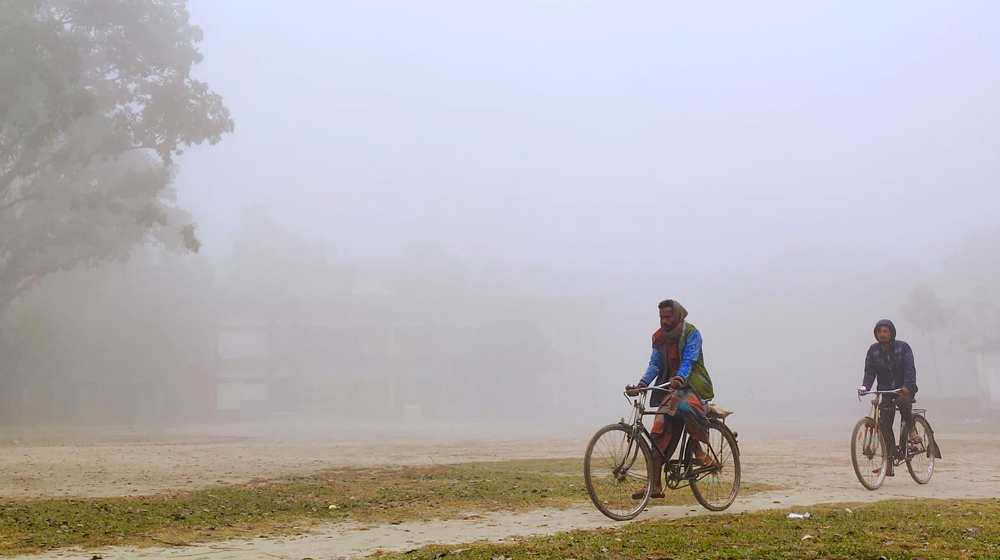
(808, 461)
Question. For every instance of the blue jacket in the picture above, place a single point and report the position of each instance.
(658, 363)
(893, 368)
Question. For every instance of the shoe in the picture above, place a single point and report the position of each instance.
(638, 494)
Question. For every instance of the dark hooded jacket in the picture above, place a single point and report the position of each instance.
(893, 368)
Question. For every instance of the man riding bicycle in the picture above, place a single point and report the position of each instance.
(677, 358)
(890, 361)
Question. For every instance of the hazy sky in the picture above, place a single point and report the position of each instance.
(602, 138)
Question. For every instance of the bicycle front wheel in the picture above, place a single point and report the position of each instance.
(868, 453)
(616, 470)
(716, 487)
(920, 456)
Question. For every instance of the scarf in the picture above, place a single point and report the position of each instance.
(671, 338)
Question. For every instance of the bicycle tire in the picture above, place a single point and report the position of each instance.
(921, 465)
(716, 490)
(868, 442)
(613, 472)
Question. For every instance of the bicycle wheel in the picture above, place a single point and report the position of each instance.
(716, 487)
(919, 456)
(616, 467)
(868, 453)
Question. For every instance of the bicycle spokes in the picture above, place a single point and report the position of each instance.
(870, 443)
(616, 472)
(869, 454)
(715, 485)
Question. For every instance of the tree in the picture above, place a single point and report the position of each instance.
(271, 266)
(97, 99)
(147, 323)
(969, 274)
(923, 309)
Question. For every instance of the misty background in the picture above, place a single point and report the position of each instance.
(457, 211)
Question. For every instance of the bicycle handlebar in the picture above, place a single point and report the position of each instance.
(633, 389)
(892, 392)
(865, 393)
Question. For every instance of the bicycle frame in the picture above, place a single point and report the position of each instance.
(679, 471)
(908, 450)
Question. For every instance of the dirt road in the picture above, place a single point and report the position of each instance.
(808, 461)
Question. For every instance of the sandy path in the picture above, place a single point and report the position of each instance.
(121, 462)
(811, 466)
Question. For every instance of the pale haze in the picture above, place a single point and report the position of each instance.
(308, 279)
(769, 165)
(537, 176)
(574, 134)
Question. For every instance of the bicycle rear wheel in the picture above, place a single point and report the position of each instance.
(868, 453)
(617, 467)
(716, 487)
(920, 456)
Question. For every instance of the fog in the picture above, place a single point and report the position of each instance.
(460, 212)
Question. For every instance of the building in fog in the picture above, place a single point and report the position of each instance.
(988, 365)
(374, 354)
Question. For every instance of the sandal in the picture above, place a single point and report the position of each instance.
(888, 472)
(705, 460)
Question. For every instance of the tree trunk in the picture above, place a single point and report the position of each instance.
(937, 372)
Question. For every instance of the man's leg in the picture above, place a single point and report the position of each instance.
(657, 481)
(666, 442)
(692, 410)
(886, 416)
(699, 436)
(670, 445)
(703, 457)
(905, 405)
(660, 441)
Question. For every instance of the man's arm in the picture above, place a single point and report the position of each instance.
(654, 367)
(869, 378)
(692, 351)
(909, 370)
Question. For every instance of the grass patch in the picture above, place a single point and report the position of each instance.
(930, 529)
(292, 505)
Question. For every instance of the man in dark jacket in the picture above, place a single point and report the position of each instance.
(890, 362)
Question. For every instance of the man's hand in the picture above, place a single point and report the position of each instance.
(633, 390)
(677, 382)
(905, 391)
(862, 390)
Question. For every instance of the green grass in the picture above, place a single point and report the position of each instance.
(930, 529)
(293, 505)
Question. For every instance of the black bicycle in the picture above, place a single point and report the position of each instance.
(870, 447)
(618, 469)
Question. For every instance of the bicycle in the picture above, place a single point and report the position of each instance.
(869, 445)
(613, 471)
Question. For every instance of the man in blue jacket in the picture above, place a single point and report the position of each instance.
(890, 362)
(677, 359)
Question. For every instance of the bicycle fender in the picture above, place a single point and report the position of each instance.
(933, 449)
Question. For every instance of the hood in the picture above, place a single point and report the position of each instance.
(885, 323)
(679, 311)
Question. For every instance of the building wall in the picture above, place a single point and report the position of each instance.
(989, 382)
(368, 359)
